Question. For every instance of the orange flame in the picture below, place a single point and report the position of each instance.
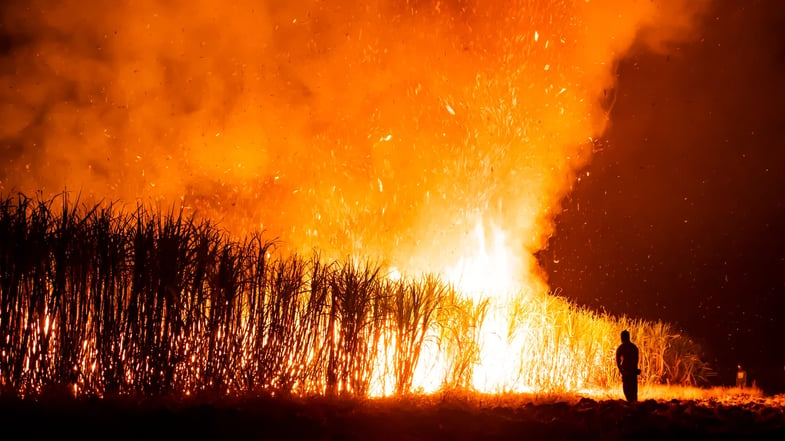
(438, 135)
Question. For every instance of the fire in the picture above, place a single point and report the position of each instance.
(491, 274)
(377, 128)
(490, 269)
(439, 136)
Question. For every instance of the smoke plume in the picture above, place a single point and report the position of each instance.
(382, 128)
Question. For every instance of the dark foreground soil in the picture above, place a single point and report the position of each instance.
(431, 418)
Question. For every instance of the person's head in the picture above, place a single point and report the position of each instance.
(739, 367)
(625, 336)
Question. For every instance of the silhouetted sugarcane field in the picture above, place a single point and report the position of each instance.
(99, 301)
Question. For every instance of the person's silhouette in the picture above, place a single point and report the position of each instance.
(741, 377)
(627, 362)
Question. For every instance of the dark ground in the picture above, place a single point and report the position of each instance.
(422, 418)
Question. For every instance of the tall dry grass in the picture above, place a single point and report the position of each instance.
(97, 300)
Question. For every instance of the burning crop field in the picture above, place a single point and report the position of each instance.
(107, 303)
(328, 209)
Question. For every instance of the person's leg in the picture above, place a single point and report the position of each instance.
(625, 386)
(630, 387)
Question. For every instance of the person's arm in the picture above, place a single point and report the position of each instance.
(618, 358)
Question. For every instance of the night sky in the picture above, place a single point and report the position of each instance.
(680, 215)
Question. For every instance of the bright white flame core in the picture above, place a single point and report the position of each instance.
(488, 270)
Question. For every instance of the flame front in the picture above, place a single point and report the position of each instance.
(511, 353)
(438, 136)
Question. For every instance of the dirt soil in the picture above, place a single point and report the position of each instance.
(416, 418)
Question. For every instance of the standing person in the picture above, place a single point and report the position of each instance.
(741, 377)
(627, 362)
